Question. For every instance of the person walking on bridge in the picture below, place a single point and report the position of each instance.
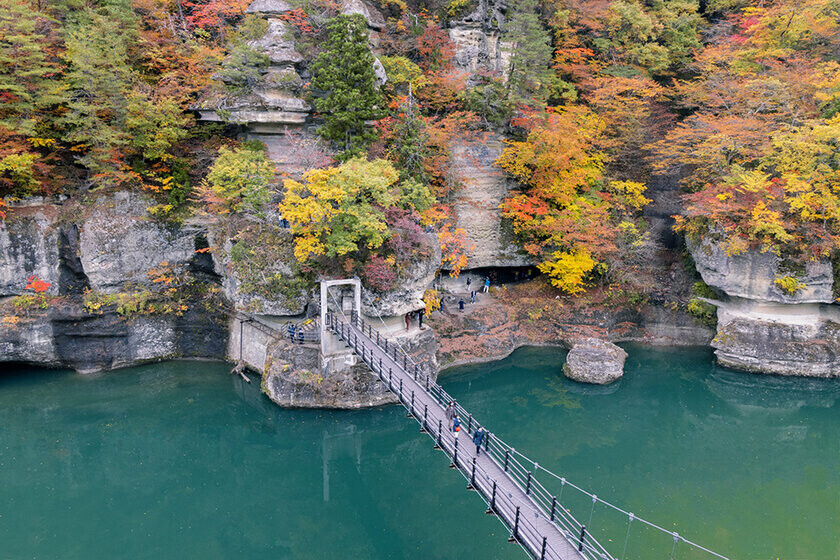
(456, 425)
(450, 414)
(478, 439)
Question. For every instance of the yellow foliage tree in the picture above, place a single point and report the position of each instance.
(339, 210)
(568, 270)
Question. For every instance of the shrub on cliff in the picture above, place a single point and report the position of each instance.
(345, 210)
(238, 180)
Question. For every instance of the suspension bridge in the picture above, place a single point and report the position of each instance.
(504, 478)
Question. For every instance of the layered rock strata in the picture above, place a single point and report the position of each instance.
(489, 239)
(477, 39)
(763, 328)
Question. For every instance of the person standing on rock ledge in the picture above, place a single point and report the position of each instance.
(486, 284)
(407, 321)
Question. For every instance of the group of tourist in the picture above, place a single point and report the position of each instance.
(415, 314)
(453, 421)
(294, 332)
(473, 294)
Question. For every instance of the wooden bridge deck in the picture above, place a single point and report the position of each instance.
(508, 493)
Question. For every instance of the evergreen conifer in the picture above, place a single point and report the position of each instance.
(344, 71)
(529, 72)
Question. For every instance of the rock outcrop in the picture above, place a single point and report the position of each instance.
(110, 247)
(69, 336)
(29, 246)
(763, 329)
(294, 375)
(252, 261)
(120, 243)
(477, 39)
(407, 295)
(801, 340)
(476, 204)
(273, 109)
(592, 360)
(273, 101)
(752, 275)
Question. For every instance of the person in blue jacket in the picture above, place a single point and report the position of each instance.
(456, 425)
(478, 438)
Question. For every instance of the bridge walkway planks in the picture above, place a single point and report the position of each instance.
(541, 537)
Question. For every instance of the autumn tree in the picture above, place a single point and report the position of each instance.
(568, 213)
(344, 72)
(97, 89)
(239, 180)
(342, 211)
(27, 69)
(759, 141)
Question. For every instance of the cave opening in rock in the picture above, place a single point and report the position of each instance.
(498, 275)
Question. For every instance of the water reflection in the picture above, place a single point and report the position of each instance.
(345, 442)
(183, 456)
(748, 391)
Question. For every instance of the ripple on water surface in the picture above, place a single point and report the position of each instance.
(181, 459)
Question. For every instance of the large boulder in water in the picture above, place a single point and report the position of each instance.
(592, 360)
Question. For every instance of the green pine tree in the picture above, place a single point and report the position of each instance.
(344, 70)
(529, 72)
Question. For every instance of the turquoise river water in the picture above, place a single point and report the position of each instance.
(183, 460)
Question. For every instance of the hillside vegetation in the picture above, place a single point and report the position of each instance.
(739, 100)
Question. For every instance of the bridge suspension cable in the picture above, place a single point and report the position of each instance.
(512, 461)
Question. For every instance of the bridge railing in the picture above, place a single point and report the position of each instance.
(522, 524)
(504, 455)
(524, 471)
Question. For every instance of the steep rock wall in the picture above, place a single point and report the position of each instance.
(29, 246)
(109, 246)
(295, 376)
(476, 204)
(763, 329)
(802, 340)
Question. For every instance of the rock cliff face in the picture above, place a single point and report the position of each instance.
(108, 247)
(781, 339)
(763, 329)
(476, 205)
(407, 295)
(251, 260)
(477, 39)
(752, 275)
(120, 243)
(295, 377)
(29, 246)
(69, 336)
